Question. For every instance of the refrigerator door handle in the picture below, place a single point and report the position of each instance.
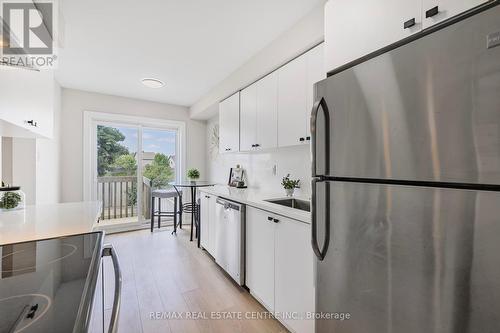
(321, 103)
(320, 253)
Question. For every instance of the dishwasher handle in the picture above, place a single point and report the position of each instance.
(228, 204)
(109, 251)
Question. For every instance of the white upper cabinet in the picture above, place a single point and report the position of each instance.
(296, 96)
(355, 28)
(229, 124)
(275, 110)
(435, 11)
(267, 112)
(26, 102)
(315, 73)
(292, 102)
(248, 118)
(259, 114)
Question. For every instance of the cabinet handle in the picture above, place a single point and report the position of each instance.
(409, 23)
(269, 218)
(432, 12)
(257, 145)
(228, 149)
(276, 220)
(308, 138)
(32, 123)
(253, 146)
(301, 139)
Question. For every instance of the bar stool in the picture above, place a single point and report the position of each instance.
(164, 194)
(160, 194)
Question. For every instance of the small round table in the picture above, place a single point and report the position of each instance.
(190, 207)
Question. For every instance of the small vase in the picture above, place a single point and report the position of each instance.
(289, 192)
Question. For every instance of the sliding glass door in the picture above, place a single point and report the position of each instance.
(159, 163)
(116, 160)
(127, 161)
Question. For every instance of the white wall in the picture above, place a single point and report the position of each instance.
(23, 167)
(259, 166)
(308, 32)
(75, 102)
(48, 177)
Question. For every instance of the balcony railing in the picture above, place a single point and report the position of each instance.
(118, 195)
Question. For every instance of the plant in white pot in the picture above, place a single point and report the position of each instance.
(193, 174)
(11, 198)
(290, 185)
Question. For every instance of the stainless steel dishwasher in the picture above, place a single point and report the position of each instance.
(230, 238)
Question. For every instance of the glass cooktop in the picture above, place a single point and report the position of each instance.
(44, 284)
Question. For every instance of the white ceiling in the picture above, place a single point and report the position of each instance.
(191, 45)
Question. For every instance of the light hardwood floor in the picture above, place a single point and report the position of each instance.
(167, 273)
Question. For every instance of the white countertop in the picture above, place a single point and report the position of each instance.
(255, 198)
(46, 221)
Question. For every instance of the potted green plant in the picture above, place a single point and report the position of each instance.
(11, 197)
(290, 185)
(193, 174)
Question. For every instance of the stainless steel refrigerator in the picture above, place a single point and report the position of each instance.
(406, 185)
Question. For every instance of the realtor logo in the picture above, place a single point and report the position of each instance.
(27, 36)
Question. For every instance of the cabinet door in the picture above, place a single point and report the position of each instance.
(315, 72)
(212, 220)
(267, 112)
(260, 256)
(356, 28)
(435, 11)
(27, 95)
(205, 225)
(248, 118)
(292, 102)
(294, 286)
(229, 124)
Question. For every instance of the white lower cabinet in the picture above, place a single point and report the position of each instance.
(208, 219)
(279, 267)
(260, 256)
(293, 273)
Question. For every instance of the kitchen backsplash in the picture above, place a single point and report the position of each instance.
(259, 165)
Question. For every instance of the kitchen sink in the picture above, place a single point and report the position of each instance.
(292, 203)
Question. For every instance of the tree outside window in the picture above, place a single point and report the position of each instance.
(115, 159)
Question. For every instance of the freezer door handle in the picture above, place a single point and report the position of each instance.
(320, 104)
(320, 253)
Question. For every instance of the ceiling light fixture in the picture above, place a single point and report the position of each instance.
(152, 83)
